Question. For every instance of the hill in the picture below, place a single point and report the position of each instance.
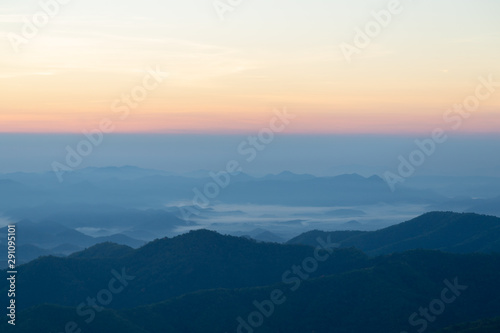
(445, 231)
(480, 326)
(103, 250)
(51, 238)
(170, 267)
(309, 238)
(344, 190)
(382, 296)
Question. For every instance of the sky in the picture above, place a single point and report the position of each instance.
(320, 155)
(227, 76)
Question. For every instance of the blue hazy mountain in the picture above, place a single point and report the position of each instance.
(101, 216)
(261, 235)
(51, 238)
(135, 187)
(288, 175)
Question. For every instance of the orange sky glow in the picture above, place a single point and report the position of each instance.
(228, 76)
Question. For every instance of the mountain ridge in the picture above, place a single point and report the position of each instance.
(445, 231)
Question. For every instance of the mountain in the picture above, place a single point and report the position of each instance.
(170, 267)
(362, 170)
(267, 236)
(203, 173)
(445, 231)
(103, 250)
(480, 326)
(288, 176)
(143, 224)
(345, 190)
(309, 238)
(136, 188)
(50, 238)
(345, 213)
(64, 249)
(128, 186)
(27, 252)
(471, 186)
(49, 234)
(122, 172)
(119, 239)
(7, 185)
(384, 295)
(486, 206)
(261, 235)
(335, 213)
(205, 176)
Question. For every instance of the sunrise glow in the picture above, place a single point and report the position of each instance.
(228, 76)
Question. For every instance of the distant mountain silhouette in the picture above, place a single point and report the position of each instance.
(452, 186)
(342, 190)
(51, 238)
(103, 250)
(287, 176)
(27, 252)
(486, 206)
(262, 235)
(345, 213)
(10, 185)
(309, 238)
(122, 172)
(153, 223)
(335, 213)
(50, 234)
(154, 188)
(351, 225)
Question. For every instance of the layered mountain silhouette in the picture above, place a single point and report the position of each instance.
(384, 294)
(341, 190)
(170, 267)
(206, 282)
(51, 238)
(135, 187)
(445, 231)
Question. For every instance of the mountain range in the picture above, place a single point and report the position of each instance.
(444, 231)
(206, 282)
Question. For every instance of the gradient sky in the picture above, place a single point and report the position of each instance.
(227, 76)
(462, 155)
